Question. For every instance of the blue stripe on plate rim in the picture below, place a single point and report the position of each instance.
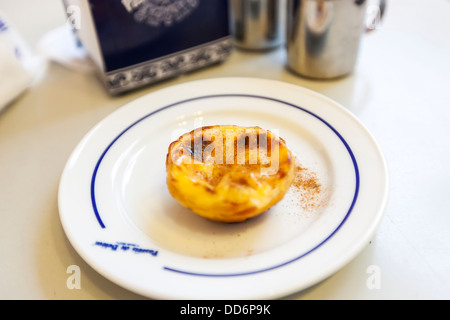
(349, 150)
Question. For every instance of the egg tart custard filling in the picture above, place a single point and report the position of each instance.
(229, 173)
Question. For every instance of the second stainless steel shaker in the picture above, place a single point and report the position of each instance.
(258, 24)
(323, 36)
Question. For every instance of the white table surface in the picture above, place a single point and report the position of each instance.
(400, 91)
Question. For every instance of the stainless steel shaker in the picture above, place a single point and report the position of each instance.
(258, 24)
(323, 36)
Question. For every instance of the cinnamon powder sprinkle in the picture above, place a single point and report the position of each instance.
(306, 188)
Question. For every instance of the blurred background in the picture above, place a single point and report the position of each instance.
(399, 90)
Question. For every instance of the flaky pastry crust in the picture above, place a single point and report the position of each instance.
(229, 173)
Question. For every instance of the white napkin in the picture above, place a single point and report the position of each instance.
(18, 67)
(60, 45)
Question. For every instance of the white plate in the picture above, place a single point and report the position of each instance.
(118, 214)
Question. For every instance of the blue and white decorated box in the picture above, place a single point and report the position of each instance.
(139, 42)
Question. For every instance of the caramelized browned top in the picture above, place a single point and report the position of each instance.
(236, 152)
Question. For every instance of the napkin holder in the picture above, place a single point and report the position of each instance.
(135, 43)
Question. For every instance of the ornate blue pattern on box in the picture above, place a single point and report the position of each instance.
(144, 41)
